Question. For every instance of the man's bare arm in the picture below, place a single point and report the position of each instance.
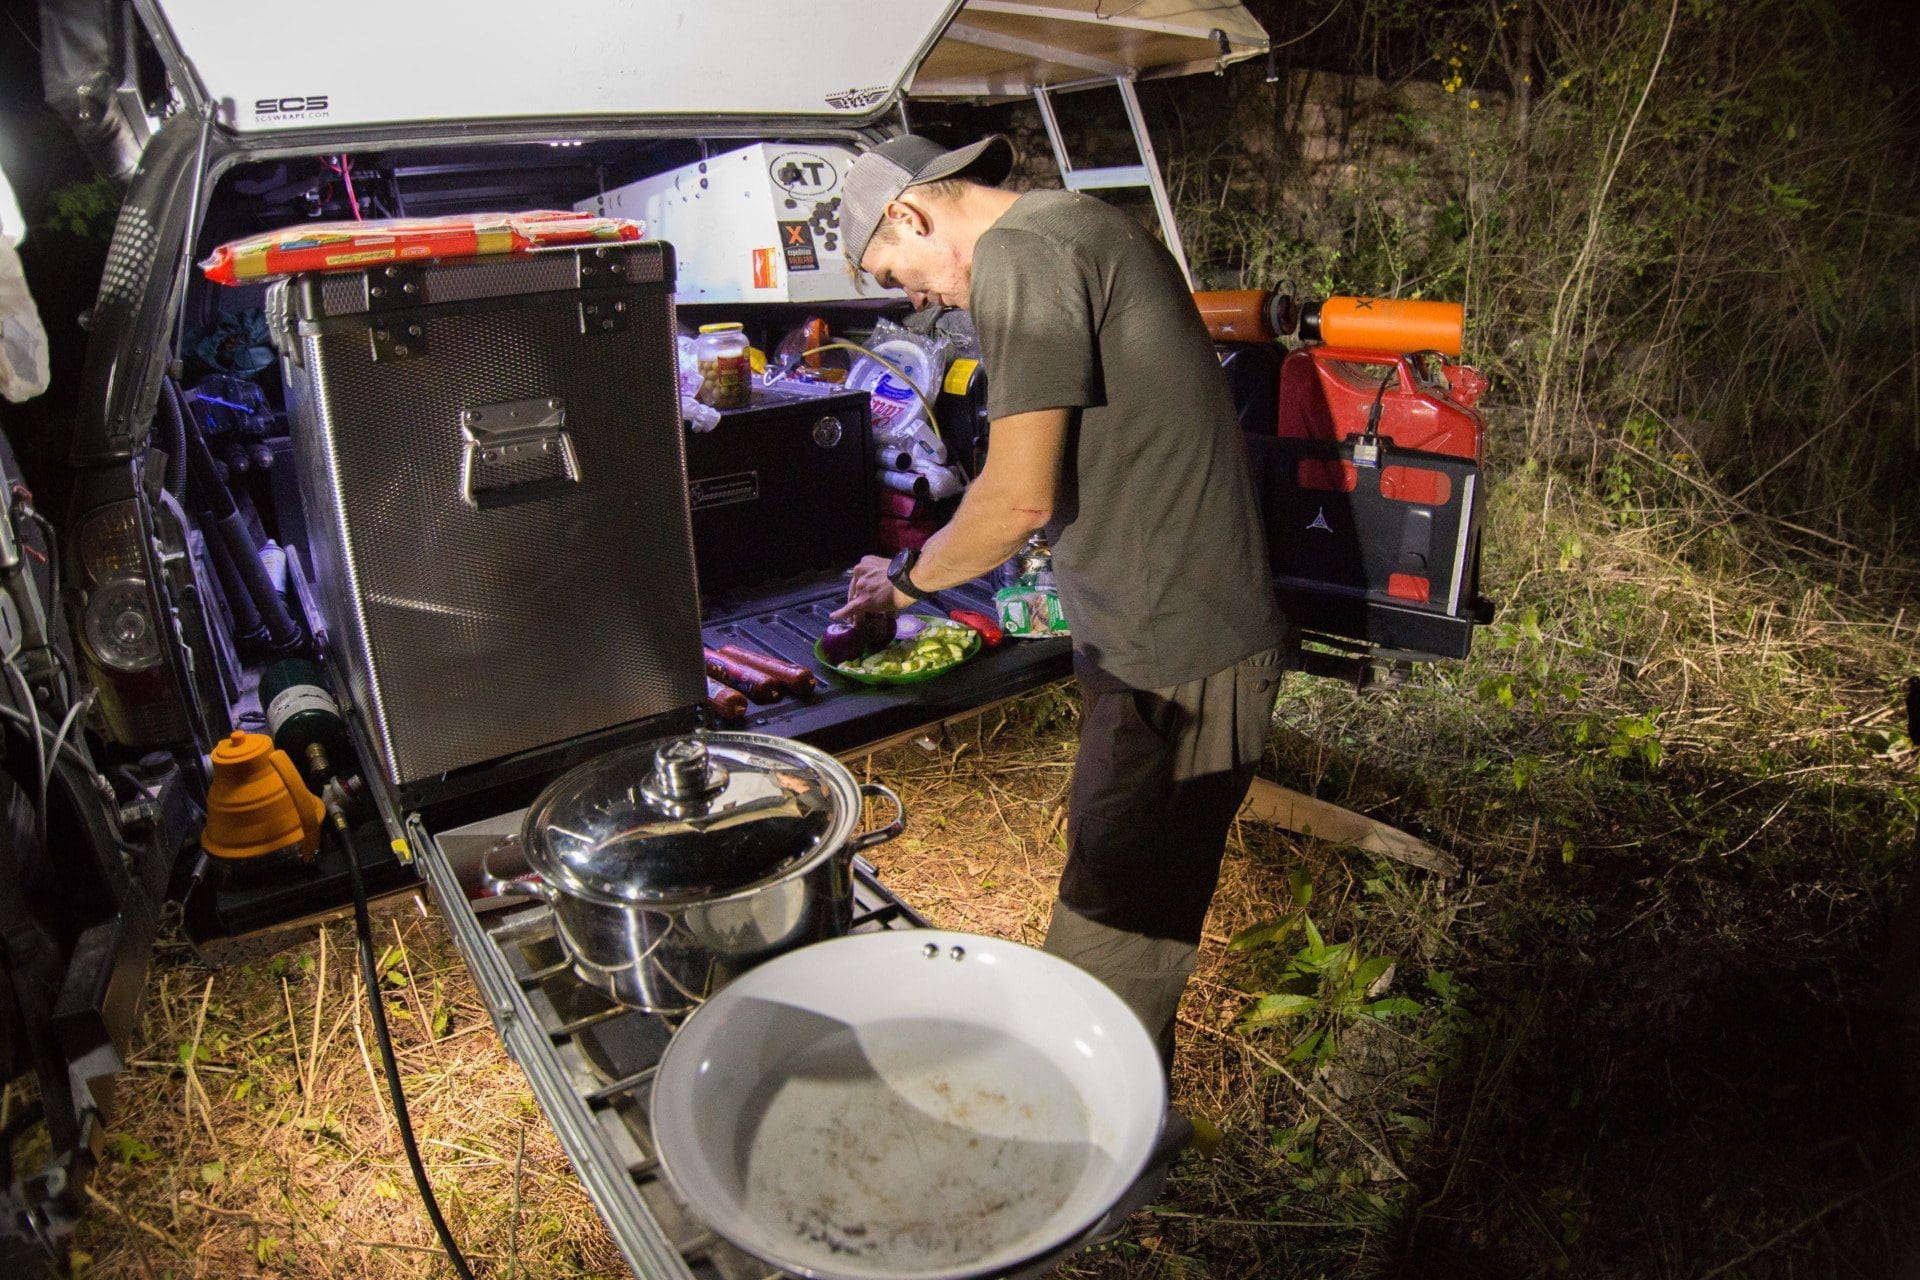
(1011, 497)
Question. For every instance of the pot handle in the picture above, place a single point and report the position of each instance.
(497, 885)
(879, 835)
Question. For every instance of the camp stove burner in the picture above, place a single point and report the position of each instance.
(606, 1054)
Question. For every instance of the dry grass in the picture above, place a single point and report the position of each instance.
(252, 1144)
(265, 1157)
(984, 853)
(1658, 954)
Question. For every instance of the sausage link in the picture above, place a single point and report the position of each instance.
(796, 678)
(756, 684)
(726, 702)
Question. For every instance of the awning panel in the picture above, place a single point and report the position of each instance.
(1008, 48)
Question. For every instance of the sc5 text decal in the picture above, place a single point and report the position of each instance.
(290, 108)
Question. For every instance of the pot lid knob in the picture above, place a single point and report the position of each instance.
(681, 770)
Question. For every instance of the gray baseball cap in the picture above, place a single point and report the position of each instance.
(880, 175)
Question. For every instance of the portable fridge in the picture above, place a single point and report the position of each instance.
(491, 467)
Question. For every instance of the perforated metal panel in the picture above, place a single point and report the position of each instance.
(471, 631)
(130, 256)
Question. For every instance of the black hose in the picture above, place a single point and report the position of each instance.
(173, 415)
(247, 629)
(336, 828)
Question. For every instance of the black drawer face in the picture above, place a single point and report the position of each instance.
(1357, 558)
(780, 489)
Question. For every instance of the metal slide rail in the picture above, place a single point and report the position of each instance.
(590, 1063)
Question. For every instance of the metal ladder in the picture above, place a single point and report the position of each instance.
(1145, 174)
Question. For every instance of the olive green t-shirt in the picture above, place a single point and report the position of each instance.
(1157, 547)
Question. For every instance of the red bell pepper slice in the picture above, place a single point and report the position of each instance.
(989, 629)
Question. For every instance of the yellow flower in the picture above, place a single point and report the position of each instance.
(1453, 61)
(1474, 105)
(1565, 81)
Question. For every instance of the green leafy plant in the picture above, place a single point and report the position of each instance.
(1318, 985)
(86, 209)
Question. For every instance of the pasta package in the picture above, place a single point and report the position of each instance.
(336, 246)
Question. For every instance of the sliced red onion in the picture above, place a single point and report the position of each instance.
(841, 643)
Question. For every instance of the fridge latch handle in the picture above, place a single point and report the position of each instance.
(515, 452)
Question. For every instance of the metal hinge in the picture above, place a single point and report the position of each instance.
(605, 315)
(397, 341)
(394, 286)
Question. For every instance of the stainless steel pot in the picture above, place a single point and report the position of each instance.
(674, 866)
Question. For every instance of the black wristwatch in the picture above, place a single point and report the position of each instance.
(898, 574)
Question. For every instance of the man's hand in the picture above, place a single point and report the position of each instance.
(870, 592)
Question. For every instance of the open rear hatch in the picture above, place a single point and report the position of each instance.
(360, 64)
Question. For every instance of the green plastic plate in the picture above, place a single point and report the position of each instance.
(918, 677)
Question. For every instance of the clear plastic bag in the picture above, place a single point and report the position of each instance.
(899, 408)
(25, 365)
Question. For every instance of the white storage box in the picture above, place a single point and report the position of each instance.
(761, 224)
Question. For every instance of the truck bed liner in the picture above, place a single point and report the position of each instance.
(844, 718)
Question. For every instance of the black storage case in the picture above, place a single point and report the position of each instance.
(781, 488)
(1334, 555)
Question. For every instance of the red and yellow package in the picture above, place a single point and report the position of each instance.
(335, 246)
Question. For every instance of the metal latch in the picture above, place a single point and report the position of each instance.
(515, 452)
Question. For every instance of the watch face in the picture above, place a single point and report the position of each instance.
(897, 574)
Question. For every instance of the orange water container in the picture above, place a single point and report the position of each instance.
(1385, 324)
(258, 804)
(1245, 315)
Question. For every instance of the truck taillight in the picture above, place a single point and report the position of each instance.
(118, 624)
(120, 636)
(108, 542)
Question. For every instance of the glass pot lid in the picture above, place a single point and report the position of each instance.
(689, 818)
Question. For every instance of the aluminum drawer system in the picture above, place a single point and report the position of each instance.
(590, 1062)
(229, 921)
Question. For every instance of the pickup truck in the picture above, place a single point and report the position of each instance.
(276, 115)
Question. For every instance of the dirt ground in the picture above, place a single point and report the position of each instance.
(256, 1138)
